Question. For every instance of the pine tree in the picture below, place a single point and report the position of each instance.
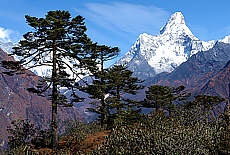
(120, 84)
(98, 89)
(60, 43)
(205, 106)
(162, 97)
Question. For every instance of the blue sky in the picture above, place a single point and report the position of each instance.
(119, 23)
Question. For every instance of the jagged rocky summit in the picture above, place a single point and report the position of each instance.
(151, 55)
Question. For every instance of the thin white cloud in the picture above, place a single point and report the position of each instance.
(126, 17)
(7, 35)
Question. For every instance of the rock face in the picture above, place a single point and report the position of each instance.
(151, 55)
(219, 84)
(200, 67)
(17, 103)
(176, 57)
(206, 72)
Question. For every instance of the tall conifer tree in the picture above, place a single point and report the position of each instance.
(162, 97)
(60, 43)
(98, 89)
(120, 84)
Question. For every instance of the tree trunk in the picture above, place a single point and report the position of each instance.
(54, 126)
(103, 95)
(118, 99)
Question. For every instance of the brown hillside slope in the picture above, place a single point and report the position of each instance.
(17, 103)
(218, 85)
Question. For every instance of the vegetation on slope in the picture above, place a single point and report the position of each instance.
(191, 128)
(175, 124)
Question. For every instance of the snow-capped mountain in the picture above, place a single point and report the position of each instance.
(226, 39)
(7, 46)
(43, 71)
(151, 55)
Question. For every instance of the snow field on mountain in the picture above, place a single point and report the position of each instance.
(164, 52)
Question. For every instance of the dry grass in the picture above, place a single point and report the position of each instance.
(91, 142)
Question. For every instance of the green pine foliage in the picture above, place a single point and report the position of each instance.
(121, 84)
(54, 40)
(164, 97)
(98, 89)
(115, 82)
